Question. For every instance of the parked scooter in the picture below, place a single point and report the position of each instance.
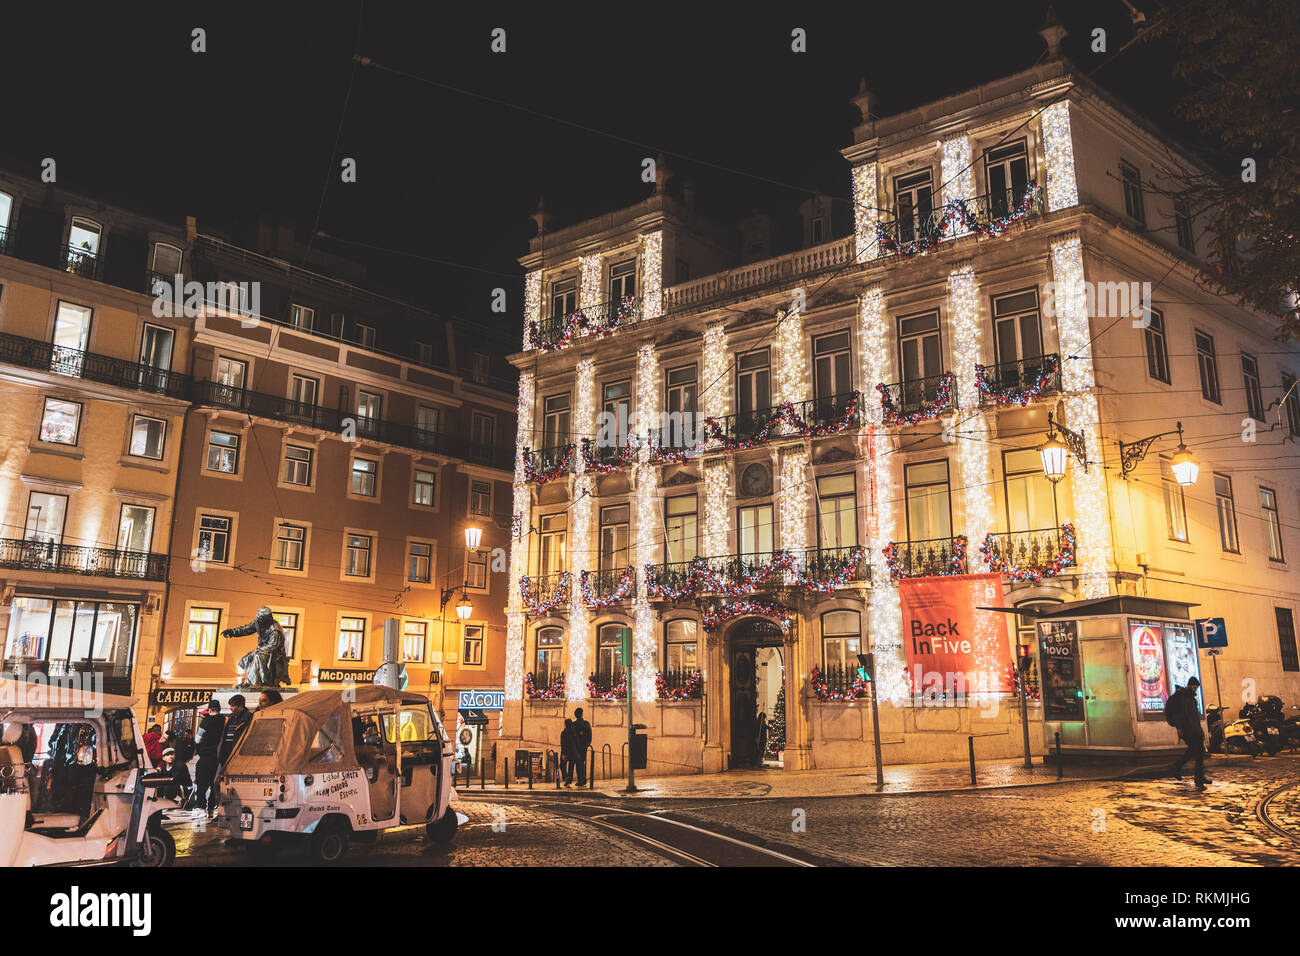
(1237, 737)
(1290, 725)
(1268, 728)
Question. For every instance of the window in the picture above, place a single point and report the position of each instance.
(1250, 379)
(837, 516)
(214, 538)
(1157, 352)
(622, 281)
(156, 344)
(1183, 226)
(609, 653)
(71, 338)
(614, 537)
(297, 464)
(753, 382)
(147, 436)
(483, 430)
(1132, 182)
(365, 336)
(6, 211)
(364, 473)
(289, 547)
(683, 405)
(60, 422)
(83, 247)
(1227, 513)
(683, 271)
(550, 647)
(424, 353)
(427, 419)
(471, 653)
(166, 261)
(476, 569)
(681, 647)
(414, 637)
(841, 641)
(301, 317)
(423, 485)
(564, 298)
(336, 324)
(356, 557)
(1286, 638)
(1272, 523)
(754, 527)
(1208, 365)
(223, 452)
(616, 409)
(818, 231)
(370, 408)
(681, 523)
(230, 373)
(1006, 172)
(480, 497)
(45, 516)
(419, 558)
(831, 361)
(929, 504)
(352, 638)
(920, 357)
(302, 392)
(1030, 497)
(1175, 503)
(555, 421)
(482, 364)
(135, 528)
(288, 622)
(1017, 331)
(913, 203)
(202, 631)
(1291, 402)
(552, 542)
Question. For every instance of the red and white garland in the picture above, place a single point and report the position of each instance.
(925, 412)
(715, 619)
(956, 561)
(785, 413)
(578, 325)
(540, 476)
(618, 693)
(1020, 396)
(554, 692)
(594, 464)
(818, 684)
(625, 585)
(692, 690)
(955, 211)
(700, 578)
(1063, 559)
(559, 596)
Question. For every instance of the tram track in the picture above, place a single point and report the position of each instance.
(1261, 811)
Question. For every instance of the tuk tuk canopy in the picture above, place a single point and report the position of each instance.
(311, 732)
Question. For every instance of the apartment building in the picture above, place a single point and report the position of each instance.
(1000, 381)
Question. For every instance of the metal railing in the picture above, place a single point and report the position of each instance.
(1041, 371)
(332, 420)
(952, 219)
(1028, 549)
(914, 395)
(598, 317)
(5, 234)
(543, 589)
(678, 679)
(545, 460)
(33, 353)
(840, 678)
(43, 555)
(934, 556)
(607, 582)
(543, 680)
(830, 410)
(999, 204)
(81, 262)
(828, 564)
(605, 682)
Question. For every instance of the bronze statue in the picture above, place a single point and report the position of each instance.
(266, 665)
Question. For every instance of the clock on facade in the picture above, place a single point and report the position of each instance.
(756, 480)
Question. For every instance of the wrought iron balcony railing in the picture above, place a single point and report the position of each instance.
(551, 461)
(830, 410)
(825, 566)
(611, 586)
(925, 227)
(555, 331)
(1030, 550)
(929, 558)
(840, 680)
(5, 234)
(42, 555)
(681, 683)
(816, 569)
(544, 588)
(1016, 383)
(81, 262)
(920, 397)
(543, 680)
(328, 419)
(993, 207)
(608, 682)
(33, 353)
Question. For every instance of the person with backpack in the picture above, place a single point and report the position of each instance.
(1183, 714)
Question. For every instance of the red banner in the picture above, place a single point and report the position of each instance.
(952, 646)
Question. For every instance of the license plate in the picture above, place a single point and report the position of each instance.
(245, 819)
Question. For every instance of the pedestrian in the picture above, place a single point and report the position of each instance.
(1183, 713)
(153, 744)
(207, 744)
(268, 698)
(236, 724)
(581, 741)
(27, 743)
(762, 735)
(566, 752)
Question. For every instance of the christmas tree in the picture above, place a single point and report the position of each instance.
(776, 726)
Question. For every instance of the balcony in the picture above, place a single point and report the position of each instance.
(549, 592)
(1020, 382)
(46, 356)
(608, 685)
(331, 420)
(828, 569)
(555, 332)
(924, 559)
(917, 400)
(982, 216)
(543, 465)
(81, 261)
(608, 587)
(39, 555)
(680, 684)
(824, 570)
(1031, 555)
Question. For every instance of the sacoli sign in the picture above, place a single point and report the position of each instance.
(481, 700)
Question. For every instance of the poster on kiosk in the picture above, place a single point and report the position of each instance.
(1164, 659)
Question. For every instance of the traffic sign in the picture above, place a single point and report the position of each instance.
(1211, 632)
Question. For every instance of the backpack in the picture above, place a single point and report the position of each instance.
(1173, 708)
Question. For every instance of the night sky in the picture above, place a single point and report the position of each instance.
(248, 129)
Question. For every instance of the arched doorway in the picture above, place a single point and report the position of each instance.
(757, 674)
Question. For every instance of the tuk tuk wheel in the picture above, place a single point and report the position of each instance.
(329, 841)
(162, 848)
(442, 830)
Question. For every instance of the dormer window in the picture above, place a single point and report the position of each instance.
(365, 336)
(165, 267)
(83, 247)
(818, 231)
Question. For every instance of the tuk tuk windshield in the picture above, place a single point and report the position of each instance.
(416, 723)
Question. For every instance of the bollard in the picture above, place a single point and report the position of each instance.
(530, 771)
(592, 774)
(1060, 767)
(505, 775)
(971, 743)
(482, 773)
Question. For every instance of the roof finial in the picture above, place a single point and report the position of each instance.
(1053, 33)
(865, 101)
(541, 216)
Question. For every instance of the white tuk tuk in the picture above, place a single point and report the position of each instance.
(331, 766)
(75, 781)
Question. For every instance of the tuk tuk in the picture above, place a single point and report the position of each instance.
(326, 767)
(76, 787)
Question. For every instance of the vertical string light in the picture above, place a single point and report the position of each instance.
(589, 292)
(793, 500)
(791, 360)
(866, 213)
(1058, 148)
(958, 177)
(717, 384)
(580, 550)
(1088, 491)
(717, 475)
(647, 524)
(532, 305)
(652, 275)
(972, 434)
(518, 545)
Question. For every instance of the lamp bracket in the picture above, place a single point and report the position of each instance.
(1132, 453)
(1072, 440)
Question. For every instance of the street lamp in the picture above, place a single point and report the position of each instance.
(464, 609)
(1055, 452)
(473, 536)
(1183, 466)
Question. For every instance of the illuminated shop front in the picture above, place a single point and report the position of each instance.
(62, 636)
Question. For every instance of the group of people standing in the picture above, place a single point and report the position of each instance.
(575, 739)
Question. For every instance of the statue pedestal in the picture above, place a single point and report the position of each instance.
(223, 695)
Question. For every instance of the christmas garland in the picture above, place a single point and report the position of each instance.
(1063, 559)
(927, 411)
(956, 562)
(715, 619)
(534, 475)
(605, 467)
(691, 691)
(554, 692)
(995, 227)
(827, 585)
(955, 211)
(675, 456)
(579, 325)
(625, 585)
(785, 414)
(618, 693)
(559, 597)
(1002, 395)
(818, 683)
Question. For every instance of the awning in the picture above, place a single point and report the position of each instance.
(472, 715)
